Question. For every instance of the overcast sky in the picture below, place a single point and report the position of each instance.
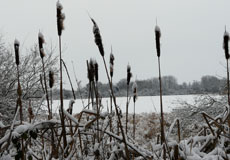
(192, 34)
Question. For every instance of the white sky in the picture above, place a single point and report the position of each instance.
(192, 34)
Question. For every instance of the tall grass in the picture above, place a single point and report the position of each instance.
(41, 40)
(134, 108)
(60, 28)
(98, 41)
(158, 48)
(129, 75)
(91, 134)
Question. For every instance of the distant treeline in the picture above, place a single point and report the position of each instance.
(150, 87)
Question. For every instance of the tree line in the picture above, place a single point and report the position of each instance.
(150, 87)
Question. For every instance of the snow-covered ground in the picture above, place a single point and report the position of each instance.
(144, 104)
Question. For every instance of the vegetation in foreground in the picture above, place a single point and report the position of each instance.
(95, 135)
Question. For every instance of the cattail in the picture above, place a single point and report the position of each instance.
(129, 74)
(225, 44)
(158, 35)
(16, 48)
(97, 36)
(51, 79)
(60, 18)
(91, 70)
(96, 70)
(111, 62)
(41, 40)
(134, 92)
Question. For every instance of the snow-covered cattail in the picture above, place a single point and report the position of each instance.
(97, 37)
(129, 74)
(51, 79)
(225, 44)
(41, 40)
(157, 36)
(134, 92)
(60, 18)
(111, 62)
(96, 70)
(16, 49)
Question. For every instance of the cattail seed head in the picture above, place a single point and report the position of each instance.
(111, 62)
(41, 40)
(97, 37)
(157, 36)
(91, 70)
(16, 49)
(96, 70)
(51, 79)
(225, 44)
(129, 74)
(134, 92)
(60, 18)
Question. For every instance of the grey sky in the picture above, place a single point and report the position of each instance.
(192, 34)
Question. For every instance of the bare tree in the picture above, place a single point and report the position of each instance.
(30, 70)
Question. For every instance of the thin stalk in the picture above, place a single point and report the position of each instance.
(98, 111)
(71, 111)
(134, 123)
(161, 105)
(46, 90)
(19, 95)
(127, 110)
(67, 72)
(79, 88)
(110, 122)
(119, 120)
(178, 130)
(228, 85)
(21, 115)
(61, 98)
(51, 100)
(228, 117)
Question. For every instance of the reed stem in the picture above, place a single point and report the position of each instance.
(46, 90)
(161, 104)
(127, 110)
(115, 104)
(61, 98)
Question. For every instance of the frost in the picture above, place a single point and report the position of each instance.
(157, 29)
(59, 5)
(226, 33)
(1, 125)
(16, 42)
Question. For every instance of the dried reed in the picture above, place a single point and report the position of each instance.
(41, 40)
(98, 42)
(129, 75)
(60, 28)
(226, 51)
(157, 36)
(19, 91)
(134, 102)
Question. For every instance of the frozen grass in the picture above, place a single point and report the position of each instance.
(95, 131)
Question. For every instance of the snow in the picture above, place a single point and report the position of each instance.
(157, 29)
(145, 104)
(1, 125)
(16, 42)
(40, 35)
(226, 33)
(59, 5)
